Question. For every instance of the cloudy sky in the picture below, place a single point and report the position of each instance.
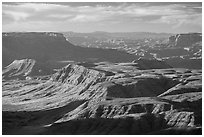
(111, 17)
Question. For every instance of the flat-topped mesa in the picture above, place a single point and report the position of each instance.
(19, 68)
(48, 46)
(75, 74)
(185, 40)
(42, 46)
(33, 34)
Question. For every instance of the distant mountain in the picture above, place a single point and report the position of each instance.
(130, 35)
(80, 38)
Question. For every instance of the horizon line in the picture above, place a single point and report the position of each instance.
(98, 32)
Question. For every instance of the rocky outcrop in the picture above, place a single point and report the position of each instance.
(188, 85)
(103, 99)
(185, 40)
(19, 68)
(25, 69)
(75, 74)
(134, 116)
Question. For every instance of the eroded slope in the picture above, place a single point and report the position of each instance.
(104, 98)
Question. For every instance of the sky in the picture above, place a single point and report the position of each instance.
(110, 17)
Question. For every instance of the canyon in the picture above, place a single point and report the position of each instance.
(50, 86)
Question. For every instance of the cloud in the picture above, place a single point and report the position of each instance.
(121, 13)
(180, 19)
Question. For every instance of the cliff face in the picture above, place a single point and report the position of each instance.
(19, 68)
(47, 47)
(38, 46)
(77, 99)
(185, 40)
(53, 48)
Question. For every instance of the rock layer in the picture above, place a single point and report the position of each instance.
(104, 98)
(185, 40)
(26, 69)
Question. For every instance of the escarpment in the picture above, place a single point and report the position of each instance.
(46, 47)
(185, 40)
(120, 97)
